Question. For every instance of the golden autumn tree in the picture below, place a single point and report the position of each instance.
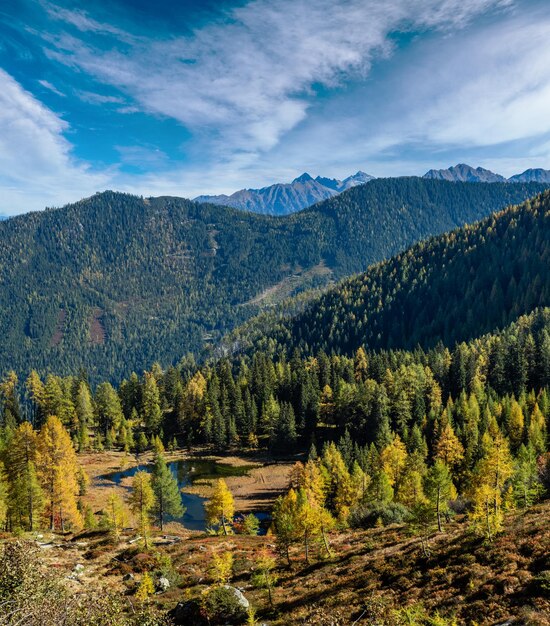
(393, 459)
(516, 425)
(220, 509)
(490, 477)
(448, 447)
(142, 500)
(58, 473)
(116, 514)
(285, 522)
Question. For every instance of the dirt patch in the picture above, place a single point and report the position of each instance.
(97, 330)
(290, 285)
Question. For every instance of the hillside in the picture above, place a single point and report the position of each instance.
(116, 282)
(451, 288)
(378, 576)
(286, 198)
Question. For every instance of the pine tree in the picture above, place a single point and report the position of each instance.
(108, 408)
(142, 500)
(220, 509)
(338, 488)
(58, 472)
(90, 521)
(361, 366)
(3, 498)
(35, 388)
(284, 435)
(485, 518)
(439, 488)
(25, 494)
(380, 488)
(489, 480)
(167, 493)
(142, 443)
(85, 414)
(527, 485)
(11, 411)
(152, 414)
(410, 490)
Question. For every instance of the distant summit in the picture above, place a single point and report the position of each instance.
(537, 175)
(465, 174)
(285, 198)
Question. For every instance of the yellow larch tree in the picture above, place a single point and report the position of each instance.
(220, 509)
(491, 474)
(58, 472)
(448, 447)
(142, 500)
(393, 459)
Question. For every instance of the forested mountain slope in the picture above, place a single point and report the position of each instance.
(451, 288)
(115, 282)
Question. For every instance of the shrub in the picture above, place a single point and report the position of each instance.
(222, 605)
(371, 514)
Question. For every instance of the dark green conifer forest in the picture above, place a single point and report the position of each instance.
(115, 282)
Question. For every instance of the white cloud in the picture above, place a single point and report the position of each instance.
(97, 98)
(248, 79)
(36, 167)
(47, 85)
(491, 88)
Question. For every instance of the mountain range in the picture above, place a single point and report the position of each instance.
(468, 174)
(115, 282)
(285, 198)
(304, 191)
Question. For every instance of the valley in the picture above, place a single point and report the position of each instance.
(232, 394)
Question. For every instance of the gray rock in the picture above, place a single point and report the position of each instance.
(239, 596)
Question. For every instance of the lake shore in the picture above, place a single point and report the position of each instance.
(256, 490)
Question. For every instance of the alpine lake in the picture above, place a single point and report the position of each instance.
(187, 472)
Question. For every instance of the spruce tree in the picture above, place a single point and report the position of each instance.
(167, 493)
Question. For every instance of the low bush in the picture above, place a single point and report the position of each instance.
(376, 513)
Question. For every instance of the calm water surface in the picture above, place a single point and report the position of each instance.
(186, 473)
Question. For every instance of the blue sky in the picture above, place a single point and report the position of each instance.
(186, 98)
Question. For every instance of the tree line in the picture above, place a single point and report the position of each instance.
(415, 408)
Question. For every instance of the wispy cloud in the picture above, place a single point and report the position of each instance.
(97, 98)
(47, 85)
(248, 79)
